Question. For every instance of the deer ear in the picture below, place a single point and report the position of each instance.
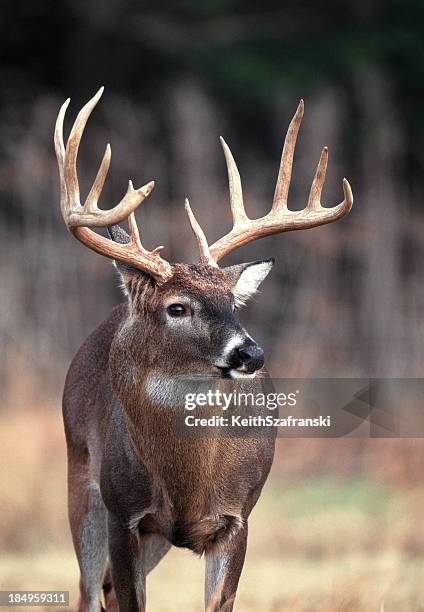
(245, 279)
(126, 272)
(118, 234)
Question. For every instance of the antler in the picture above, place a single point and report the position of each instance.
(280, 218)
(78, 218)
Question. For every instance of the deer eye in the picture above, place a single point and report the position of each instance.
(177, 310)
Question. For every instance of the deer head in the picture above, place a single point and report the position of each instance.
(182, 316)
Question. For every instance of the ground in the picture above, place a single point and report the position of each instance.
(326, 544)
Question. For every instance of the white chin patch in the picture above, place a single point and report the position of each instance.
(240, 374)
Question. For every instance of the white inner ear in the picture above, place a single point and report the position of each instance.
(249, 281)
(121, 279)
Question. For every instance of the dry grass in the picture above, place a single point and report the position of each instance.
(321, 545)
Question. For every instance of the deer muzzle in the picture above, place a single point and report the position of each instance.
(245, 359)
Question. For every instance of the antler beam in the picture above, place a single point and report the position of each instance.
(280, 218)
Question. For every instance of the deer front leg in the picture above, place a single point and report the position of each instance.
(127, 566)
(154, 547)
(223, 568)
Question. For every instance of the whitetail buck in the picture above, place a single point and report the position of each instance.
(135, 486)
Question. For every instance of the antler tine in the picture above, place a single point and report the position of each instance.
(135, 234)
(314, 200)
(135, 238)
(286, 164)
(72, 147)
(60, 154)
(348, 198)
(205, 256)
(234, 183)
(79, 218)
(97, 187)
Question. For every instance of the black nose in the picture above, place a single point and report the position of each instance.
(252, 356)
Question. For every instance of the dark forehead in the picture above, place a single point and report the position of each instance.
(198, 280)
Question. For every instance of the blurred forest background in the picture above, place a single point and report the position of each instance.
(344, 300)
